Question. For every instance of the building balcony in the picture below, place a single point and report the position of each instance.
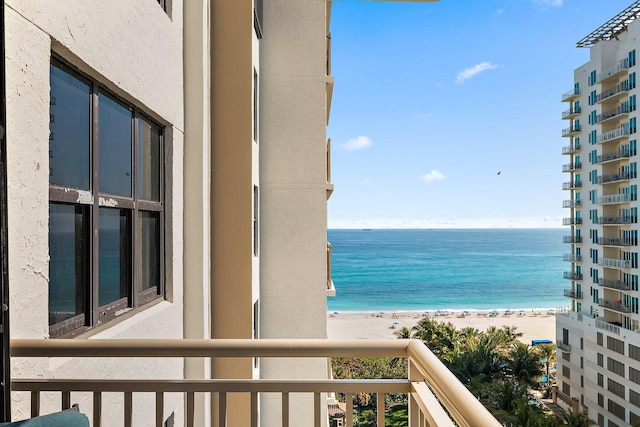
(618, 264)
(571, 130)
(611, 179)
(571, 203)
(330, 186)
(572, 275)
(614, 71)
(615, 156)
(570, 95)
(619, 111)
(618, 285)
(614, 92)
(572, 257)
(573, 294)
(571, 185)
(331, 289)
(572, 239)
(571, 149)
(435, 395)
(617, 220)
(621, 132)
(570, 167)
(571, 113)
(615, 306)
(563, 346)
(606, 326)
(571, 221)
(608, 241)
(614, 199)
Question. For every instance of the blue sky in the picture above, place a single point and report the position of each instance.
(432, 100)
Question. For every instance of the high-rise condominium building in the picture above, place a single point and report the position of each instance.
(598, 338)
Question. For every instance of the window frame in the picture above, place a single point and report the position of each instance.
(92, 200)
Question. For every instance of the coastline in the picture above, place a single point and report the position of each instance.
(537, 323)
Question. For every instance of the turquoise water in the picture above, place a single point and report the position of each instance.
(448, 269)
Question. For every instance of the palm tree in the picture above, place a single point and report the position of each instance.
(403, 333)
(547, 352)
(441, 338)
(523, 364)
(576, 419)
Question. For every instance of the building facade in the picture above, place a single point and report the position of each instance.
(95, 139)
(598, 337)
(168, 178)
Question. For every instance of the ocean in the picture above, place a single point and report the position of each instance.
(454, 269)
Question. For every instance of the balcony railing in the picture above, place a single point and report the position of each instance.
(615, 284)
(571, 167)
(436, 397)
(601, 324)
(572, 239)
(570, 94)
(572, 148)
(571, 185)
(573, 294)
(619, 264)
(572, 275)
(564, 347)
(609, 179)
(617, 89)
(609, 114)
(617, 220)
(615, 306)
(571, 203)
(572, 257)
(608, 157)
(612, 199)
(571, 112)
(614, 134)
(612, 71)
(575, 128)
(609, 241)
(571, 221)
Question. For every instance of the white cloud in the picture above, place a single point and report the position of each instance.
(476, 69)
(549, 2)
(358, 143)
(499, 11)
(434, 175)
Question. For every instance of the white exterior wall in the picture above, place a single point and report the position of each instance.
(581, 320)
(293, 190)
(135, 50)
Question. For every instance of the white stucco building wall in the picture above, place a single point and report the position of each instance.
(134, 49)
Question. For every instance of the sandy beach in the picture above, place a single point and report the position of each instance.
(536, 324)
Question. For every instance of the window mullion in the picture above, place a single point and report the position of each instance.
(95, 186)
(136, 232)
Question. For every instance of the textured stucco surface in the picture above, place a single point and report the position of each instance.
(135, 50)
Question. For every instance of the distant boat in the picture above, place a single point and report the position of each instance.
(366, 229)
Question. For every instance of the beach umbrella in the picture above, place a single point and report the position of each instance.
(396, 323)
(336, 312)
(382, 312)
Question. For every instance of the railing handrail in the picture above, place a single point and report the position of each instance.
(458, 400)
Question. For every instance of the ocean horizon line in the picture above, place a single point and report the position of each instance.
(501, 310)
(443, 228)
